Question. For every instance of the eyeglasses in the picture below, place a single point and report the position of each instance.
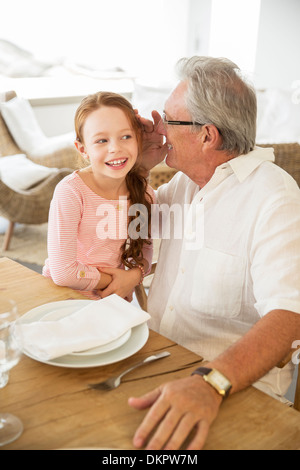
(182, 123)
(179, 123)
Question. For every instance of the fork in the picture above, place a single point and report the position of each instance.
(114, 382)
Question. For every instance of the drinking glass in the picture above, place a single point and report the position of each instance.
(10, 351)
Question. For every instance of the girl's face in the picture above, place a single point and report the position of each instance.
(109, 142)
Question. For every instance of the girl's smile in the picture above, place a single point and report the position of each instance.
(117, 164)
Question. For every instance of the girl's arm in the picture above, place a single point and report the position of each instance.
(64, 219)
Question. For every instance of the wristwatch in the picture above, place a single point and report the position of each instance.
(214, 378)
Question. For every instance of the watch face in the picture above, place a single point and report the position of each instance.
(219, 380)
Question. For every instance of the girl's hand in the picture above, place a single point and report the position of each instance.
(105, 280)
(123, 282)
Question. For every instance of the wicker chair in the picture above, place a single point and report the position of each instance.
(65, 158)
(31, 206)
(161, 174)
(287, 156)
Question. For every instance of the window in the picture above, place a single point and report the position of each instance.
(234, 31)
(141, 37)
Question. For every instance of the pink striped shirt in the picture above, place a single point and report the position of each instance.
(85, 231)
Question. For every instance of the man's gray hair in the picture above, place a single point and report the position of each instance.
(218, 95)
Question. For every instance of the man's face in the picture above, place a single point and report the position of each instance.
(183, 144)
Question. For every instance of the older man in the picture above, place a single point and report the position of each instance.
(235, 299)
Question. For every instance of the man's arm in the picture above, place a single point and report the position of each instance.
(262, 348)
(178, 407)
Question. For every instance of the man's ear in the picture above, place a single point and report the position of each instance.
(211, 135)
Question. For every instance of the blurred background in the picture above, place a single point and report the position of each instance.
(55, 52)
(60, 50)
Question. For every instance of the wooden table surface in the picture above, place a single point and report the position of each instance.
(59, 411)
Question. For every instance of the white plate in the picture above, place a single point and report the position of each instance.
(65, 310)
(138, 338)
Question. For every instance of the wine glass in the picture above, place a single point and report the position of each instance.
(10, 351)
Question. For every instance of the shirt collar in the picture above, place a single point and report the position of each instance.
(244, 165)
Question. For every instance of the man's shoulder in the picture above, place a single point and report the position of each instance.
(276, 180)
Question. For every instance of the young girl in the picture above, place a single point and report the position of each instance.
(88, 243)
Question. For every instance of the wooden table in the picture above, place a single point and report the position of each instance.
(59, 411)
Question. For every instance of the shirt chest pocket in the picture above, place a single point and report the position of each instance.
(218, 283)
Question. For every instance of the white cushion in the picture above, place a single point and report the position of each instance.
(20, 173)
(22, 123)
(278, 117)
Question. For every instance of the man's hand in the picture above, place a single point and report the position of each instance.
(154, 149)
(177, 408)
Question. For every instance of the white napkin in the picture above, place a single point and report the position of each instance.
(98, 323)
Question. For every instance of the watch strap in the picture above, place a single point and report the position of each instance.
(203, 372)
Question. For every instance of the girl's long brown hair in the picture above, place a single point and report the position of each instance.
(132, 251)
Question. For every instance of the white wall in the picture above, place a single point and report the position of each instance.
(56, 119)
(233, 32)
(199, 27)
(261, 36)
(278, 49)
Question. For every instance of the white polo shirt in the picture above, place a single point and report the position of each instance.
(247, 264)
